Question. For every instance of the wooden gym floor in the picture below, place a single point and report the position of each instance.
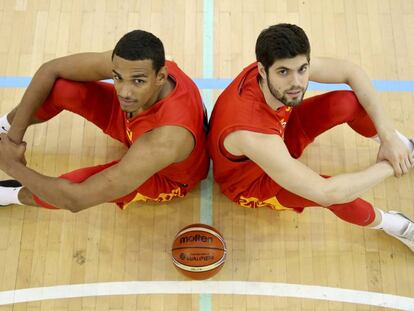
(41, 248)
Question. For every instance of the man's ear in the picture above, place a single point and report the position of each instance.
(262, 71)
(162, 75)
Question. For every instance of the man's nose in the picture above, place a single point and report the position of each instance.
(124, 90)
(296, 79)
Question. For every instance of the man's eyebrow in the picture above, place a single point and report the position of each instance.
(139, 75)
(287, 68)
(117, 73)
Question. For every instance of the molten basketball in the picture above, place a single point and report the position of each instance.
(199, 251)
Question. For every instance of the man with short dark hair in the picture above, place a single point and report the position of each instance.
(260, 125)
(153, 108)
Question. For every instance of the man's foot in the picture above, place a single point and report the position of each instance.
(407, 237)
(9, 190)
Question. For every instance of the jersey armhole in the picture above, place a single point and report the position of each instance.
(227, 131)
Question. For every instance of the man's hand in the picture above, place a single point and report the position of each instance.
(10, 153)
(397, 154)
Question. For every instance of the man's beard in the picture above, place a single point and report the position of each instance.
(282, 96)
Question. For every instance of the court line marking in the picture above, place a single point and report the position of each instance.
(206, 215)
(379, 85)
(209, 83)
(206, 193)
(207, 287)
(266, 289)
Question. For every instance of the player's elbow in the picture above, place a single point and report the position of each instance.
(321, 195)
(324, 199)
(69, 200)
(329, 198)
(72, 204)
(48, 69)
(332, 194)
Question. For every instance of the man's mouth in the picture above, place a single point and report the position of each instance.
(294, 92)
(126, 102)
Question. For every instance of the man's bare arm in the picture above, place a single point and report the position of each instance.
(328, 70)
(78, 67)
(296, 177)
(151, 153)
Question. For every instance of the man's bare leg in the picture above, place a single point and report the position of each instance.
(26, 197)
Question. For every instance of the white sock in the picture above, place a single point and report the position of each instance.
(392, 223)
(10, 195)
(404, 139)
(4, 124)
(376, 139)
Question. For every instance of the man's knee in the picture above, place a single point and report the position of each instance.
(67, 90)
(345, 103)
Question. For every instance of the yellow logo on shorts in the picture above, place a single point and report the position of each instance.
(252, 202)
(162, 197)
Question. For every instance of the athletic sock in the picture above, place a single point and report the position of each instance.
(4, 124)
(376, 139)
(404, 139)
(9, 192)
(392, 223)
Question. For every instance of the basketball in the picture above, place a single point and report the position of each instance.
(199, 251)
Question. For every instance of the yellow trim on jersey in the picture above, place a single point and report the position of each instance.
(129, 134)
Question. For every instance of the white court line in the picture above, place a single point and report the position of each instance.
(207, 287)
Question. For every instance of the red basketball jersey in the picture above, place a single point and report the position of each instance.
(182, 107)
(242, 106)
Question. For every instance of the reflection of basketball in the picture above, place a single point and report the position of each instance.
(199, 251)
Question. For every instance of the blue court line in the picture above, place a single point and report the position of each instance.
(207, 94)
(14, 82)
(379, 85)
(208, 35)
(209, 83)
(206, 193)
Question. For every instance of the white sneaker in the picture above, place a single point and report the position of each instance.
(4, 124)
(9, 192)
(407, 237)
(412, 142)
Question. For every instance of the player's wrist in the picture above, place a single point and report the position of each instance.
(13, 166)
(16, 134)
(386, 168)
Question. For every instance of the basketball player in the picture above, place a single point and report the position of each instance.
(260, 125)
(152, 107)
